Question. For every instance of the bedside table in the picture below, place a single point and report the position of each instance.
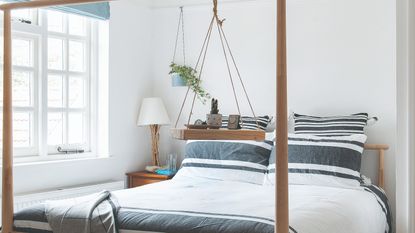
(136, 179)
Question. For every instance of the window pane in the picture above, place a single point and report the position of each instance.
(55, 128)
(77, 25)
(55, 53)
(76, 92)
(55, 91)
(76, 56)
(56, 21)
(22, 52)
(76, 128)
(22, 89)
(22, 130)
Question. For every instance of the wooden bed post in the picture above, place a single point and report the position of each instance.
(7, 168)
(281, 192)
(7, 178)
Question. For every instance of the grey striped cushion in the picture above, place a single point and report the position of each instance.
(252, 123)
(244, 161)
(328, 161)
(330, 126)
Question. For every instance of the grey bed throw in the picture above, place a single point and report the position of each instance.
(89, 214)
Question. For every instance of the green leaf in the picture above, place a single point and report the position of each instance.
(192, 80)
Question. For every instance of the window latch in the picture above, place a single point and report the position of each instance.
(70, 151)
(24, 21)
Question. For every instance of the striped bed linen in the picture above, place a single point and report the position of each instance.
(251, 123)
(244, 161)
(326, 161)
(330, 126)
(186, 205)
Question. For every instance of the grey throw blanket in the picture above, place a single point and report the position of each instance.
(89, 214)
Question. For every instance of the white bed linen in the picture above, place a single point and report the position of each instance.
(313, 209)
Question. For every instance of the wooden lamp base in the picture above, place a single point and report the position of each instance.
(155, 138)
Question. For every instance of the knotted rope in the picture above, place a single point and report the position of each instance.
(226, 49)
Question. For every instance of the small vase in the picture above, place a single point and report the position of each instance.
(214, 121)
(177, 80)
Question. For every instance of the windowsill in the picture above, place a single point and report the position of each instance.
(63, 160)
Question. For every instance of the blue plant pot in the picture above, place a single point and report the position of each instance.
(177, 80)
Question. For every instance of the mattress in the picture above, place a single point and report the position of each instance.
(205, 205)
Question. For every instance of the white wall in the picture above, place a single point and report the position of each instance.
(341, 60)
(129, 82)
(405, 162)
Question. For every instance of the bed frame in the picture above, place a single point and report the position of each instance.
(281, 197)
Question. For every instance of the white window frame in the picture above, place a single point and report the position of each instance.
(86, 75)
(39, 33)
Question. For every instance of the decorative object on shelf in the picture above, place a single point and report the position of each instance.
(214, 119)
(199, 124)
(214, 132)
(153, 114)
(234, 122)
(189, 75)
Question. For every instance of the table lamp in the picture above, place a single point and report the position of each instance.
(153, 114)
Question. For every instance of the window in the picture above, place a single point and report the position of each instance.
(56, 62)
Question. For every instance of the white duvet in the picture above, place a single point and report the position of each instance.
(313, 209)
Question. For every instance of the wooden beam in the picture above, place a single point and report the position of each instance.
(46, 3)
(381, 172)
(376, 147)
(218, 134)
(7, 179)
(281, 192)
(380, 148)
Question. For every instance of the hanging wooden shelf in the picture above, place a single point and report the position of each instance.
(218, 134)
(215, 134)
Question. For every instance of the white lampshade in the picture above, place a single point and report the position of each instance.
(153, 112)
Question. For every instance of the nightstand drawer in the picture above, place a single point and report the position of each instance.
(136, 179)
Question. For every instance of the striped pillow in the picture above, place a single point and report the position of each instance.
(244, 161)
(326, 161)
(330, 126)
(252, 123)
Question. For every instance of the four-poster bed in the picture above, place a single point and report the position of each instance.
(281, 188)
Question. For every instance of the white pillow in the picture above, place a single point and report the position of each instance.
(244, 161)
(326, 161)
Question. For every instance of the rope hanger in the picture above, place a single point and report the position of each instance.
(226, 52)
(180, 26)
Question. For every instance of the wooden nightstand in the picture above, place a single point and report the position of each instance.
(136, 179)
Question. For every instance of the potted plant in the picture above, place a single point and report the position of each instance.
(214, 119)
(188, 76)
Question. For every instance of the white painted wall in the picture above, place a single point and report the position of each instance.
(341, 60)
(405, 162)
(129, 82)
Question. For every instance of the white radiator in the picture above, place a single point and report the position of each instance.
(27, 200)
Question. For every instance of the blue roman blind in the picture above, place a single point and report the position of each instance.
(93, 10)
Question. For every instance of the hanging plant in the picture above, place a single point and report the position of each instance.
(189, 75)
